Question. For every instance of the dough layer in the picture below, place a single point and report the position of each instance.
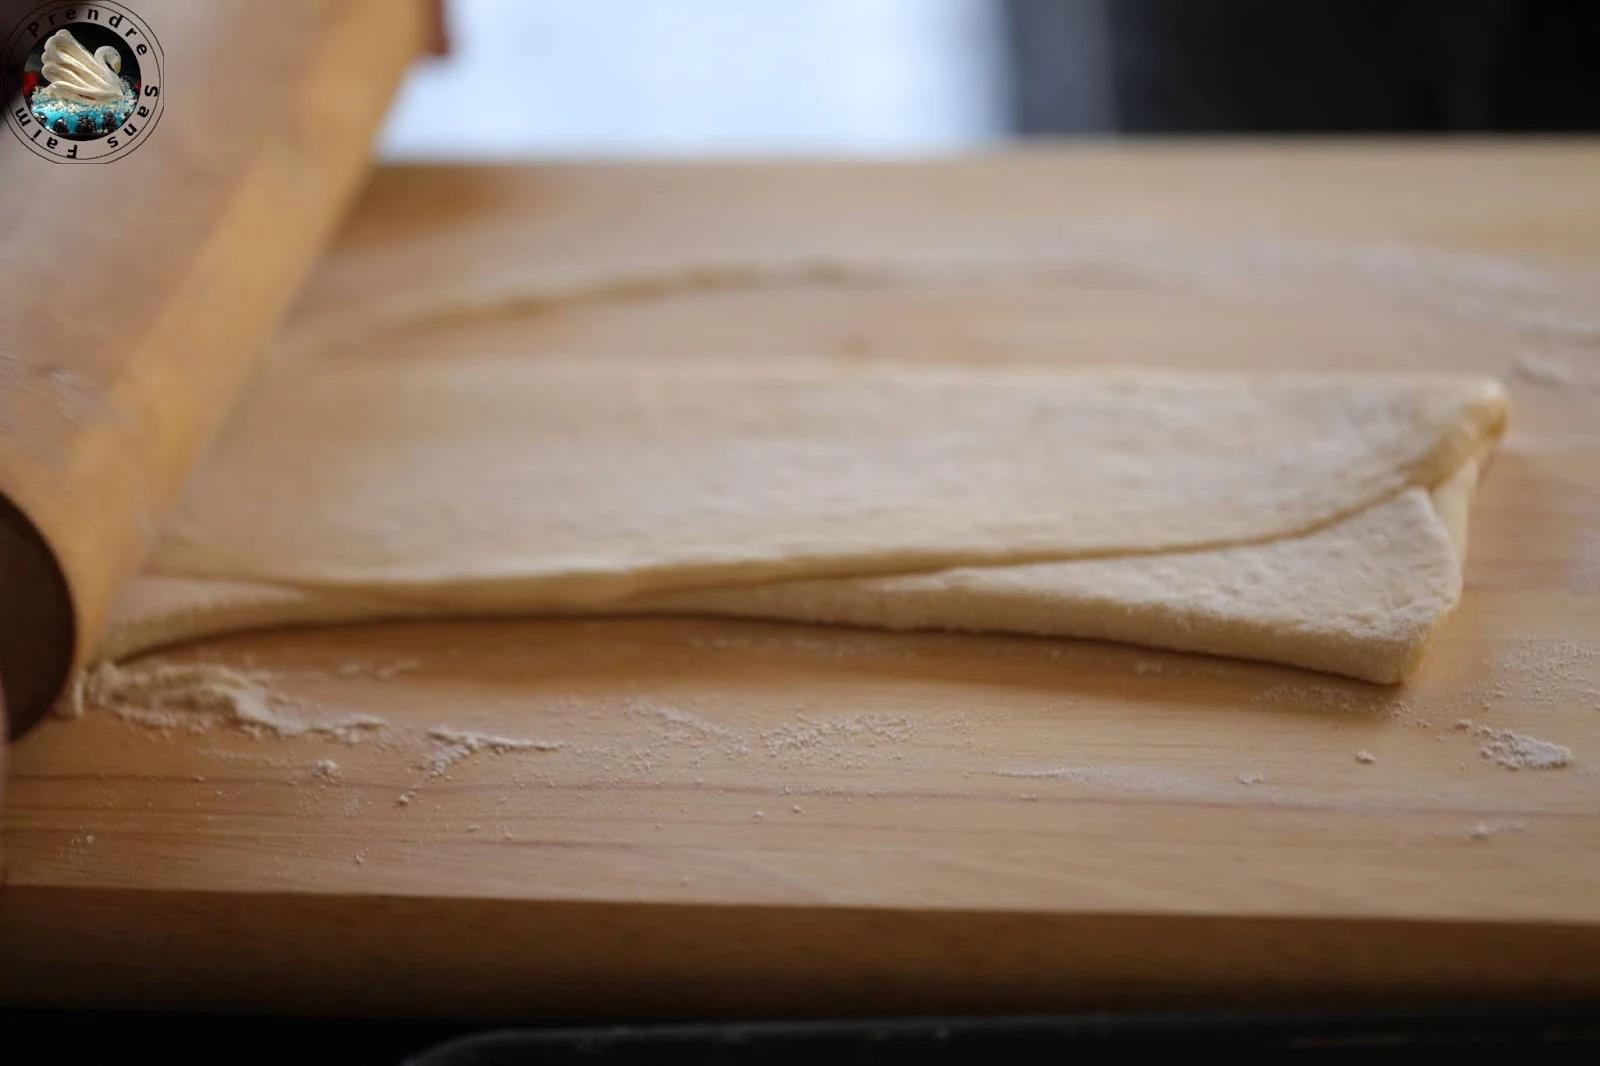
(1294, 518)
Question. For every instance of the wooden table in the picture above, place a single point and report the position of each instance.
(744, 818)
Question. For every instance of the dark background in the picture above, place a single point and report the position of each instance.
(1304, 66)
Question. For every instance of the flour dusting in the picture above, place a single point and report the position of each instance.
(1542, 672)
(1516, 751)
(1343, 698)
(838, 740)
(1119, 778)
(832, 741)
(198, 697)
(679, 721)
(458, 744)
(1556, 372)
(30, 385)
(383, 671)
(1485, 830)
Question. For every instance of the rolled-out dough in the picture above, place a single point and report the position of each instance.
(1302, 519)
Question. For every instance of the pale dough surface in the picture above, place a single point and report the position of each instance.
(1294, 518)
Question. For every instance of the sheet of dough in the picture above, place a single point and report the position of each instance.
(1286, 518)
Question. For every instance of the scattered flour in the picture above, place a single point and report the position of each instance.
(1353, 698)
(837, 740)
(1542, 673)
(1516, 751)
(1556, 372)
(1250, 777)
(1366, 758)
(1118, 778)
(327, 769)
(679, 721)
(459, 744)
(681, 737)
(34, 386)
(198, 697)
(380, 671)
(1485, 830)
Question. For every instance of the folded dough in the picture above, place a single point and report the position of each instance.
(1290, 518)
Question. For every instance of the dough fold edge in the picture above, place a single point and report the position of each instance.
(1326, 631)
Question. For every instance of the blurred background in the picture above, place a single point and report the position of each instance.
(607, 78)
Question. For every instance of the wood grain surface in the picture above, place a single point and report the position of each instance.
(716, 817)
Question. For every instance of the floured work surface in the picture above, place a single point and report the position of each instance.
(671, 815)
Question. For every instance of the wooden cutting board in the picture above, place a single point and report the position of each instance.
(695, 816)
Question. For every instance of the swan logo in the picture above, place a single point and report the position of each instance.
(82, 82)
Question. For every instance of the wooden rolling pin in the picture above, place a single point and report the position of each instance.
(137, 292)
